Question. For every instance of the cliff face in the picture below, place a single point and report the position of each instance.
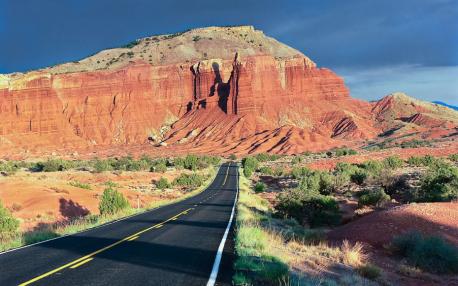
(258, 95)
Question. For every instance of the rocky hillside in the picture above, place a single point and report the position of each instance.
(211, 90)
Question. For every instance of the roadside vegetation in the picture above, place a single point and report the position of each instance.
(285, 209)
(195, 173)
(270, 249)
(119, 164)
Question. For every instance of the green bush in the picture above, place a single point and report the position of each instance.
(440, 184)
(112, 202)
(393, 162)
(163, 183)
(415, 143)
(232, 157)
(422, 161)
(259, 187)
(322, 182)
(374, 198)
(189, 180)
(266, 171)
(250, 164)
(453, 157)
(159, 166)
(299, 172)
(8, 167)
(345, 152)
(52, 165)
(8, 224)
(429, 253)
(296, 160)
(372, 167)
(264, 157)
(102, 166)
(315, 209)
(81, 185)
(359, 176)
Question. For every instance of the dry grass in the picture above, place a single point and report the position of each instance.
(310, 261)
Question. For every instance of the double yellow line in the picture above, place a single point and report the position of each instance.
(80, 261)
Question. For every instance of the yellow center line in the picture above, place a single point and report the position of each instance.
(81, 263)
(227, 172)
(133, 238)
(90, 255)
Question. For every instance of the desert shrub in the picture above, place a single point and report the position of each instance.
(111, 184)
(427, 160)
(429, 253)
(81, 185)
(250, 164)
(190, 162)
(212, 160)
(8, 224)
(102, 166)
(316, 209)
(259, 187)
(345, 151)
(163, 183)
(193, 162)
(296, 160)
(126, 163)
(112, 202)
(279, 171)
(439, 184)
(299, 172)
(232, 157)
(374, 198)
(52, 165)
(369, 271)
(453, 157)
(9, 167)
(159, 166)
(189, 180)
(393, 162)
(264, 157)
(319, 182)
(266, 170)
(359, 176)
(344, 167)
(415, 143)
(372, 167)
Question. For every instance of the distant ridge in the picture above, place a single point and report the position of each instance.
(445, 104)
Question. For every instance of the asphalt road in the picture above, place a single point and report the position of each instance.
(172, 245)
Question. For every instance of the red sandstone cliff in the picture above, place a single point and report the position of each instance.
(252, 94)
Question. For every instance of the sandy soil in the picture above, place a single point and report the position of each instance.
(48, 197)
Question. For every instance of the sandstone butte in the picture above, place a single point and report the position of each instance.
(219, 90)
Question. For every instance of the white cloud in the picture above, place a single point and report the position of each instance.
(427, 83)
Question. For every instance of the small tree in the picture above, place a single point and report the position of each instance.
(163, 183)
(8, 224)
(112, 202)
(259, 187)
(250, 164)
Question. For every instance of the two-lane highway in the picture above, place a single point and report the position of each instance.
(173, 245)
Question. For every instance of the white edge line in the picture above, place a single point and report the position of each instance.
(219, 253)
(105, 224)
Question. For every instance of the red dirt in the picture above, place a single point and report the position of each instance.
(380, 227)
(48, 197)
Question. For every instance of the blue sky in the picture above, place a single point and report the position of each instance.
(378, 46)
